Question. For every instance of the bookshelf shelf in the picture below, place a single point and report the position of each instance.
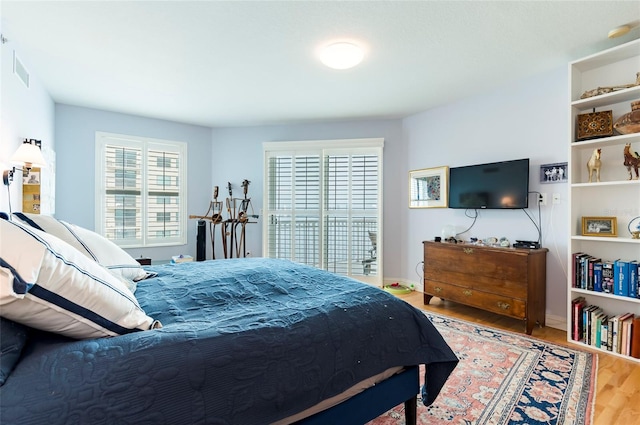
(601, 350)
(605, 295)
(602, 239)
(615, 195)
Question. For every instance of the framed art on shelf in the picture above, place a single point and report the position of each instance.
(429, 187)
(599, 226)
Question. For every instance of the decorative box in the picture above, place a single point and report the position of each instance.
(594, 125)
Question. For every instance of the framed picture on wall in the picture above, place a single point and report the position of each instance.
(32, 178)
(429, 187)
(553, 173)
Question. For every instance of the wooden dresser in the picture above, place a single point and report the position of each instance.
(506, 281)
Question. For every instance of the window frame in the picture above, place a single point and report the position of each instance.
(145, 144)
(325, 148)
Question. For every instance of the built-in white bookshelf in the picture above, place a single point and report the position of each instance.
(615, 195)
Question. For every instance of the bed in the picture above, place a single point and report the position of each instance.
(238, 341)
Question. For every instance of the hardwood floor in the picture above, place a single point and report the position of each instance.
(618, 382)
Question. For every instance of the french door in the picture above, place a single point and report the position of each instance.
(323, 205)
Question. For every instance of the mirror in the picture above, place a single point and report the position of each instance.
(429, 188)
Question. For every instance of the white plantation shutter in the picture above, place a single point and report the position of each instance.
(351, 211)
(323, 205)
(140, 194)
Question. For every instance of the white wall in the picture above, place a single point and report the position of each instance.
(75, 133)
(523, 120)
(25, 113)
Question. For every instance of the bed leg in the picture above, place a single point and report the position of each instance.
(410, 410)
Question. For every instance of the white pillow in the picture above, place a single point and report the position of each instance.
(91, 244)
(47, 284)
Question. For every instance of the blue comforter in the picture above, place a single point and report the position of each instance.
(245, 341)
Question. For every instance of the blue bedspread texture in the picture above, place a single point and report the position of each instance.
(244, 341)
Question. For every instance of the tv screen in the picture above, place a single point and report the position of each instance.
(496, 185)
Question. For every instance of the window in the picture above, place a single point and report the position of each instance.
(323, 205)
(140, 193)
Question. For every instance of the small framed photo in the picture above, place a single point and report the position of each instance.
(599, 226)
(32, 178)
(553, 173)
(429, 187)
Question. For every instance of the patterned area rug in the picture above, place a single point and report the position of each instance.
(507, 378)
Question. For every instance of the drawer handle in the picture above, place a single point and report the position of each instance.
(467, 250)
(438, 289)
(467, 292)
(503, 306)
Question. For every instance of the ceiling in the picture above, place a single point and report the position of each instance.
(240, 63)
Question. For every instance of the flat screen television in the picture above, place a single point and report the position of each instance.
(496, 185)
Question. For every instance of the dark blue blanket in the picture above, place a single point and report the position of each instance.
(245, 341)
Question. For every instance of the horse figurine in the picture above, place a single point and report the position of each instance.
(594, 164)
(631, 159)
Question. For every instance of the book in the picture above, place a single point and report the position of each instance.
(635, 338)
(621, 278)
(623, 332)
(584, 271)
(610, 333)
(586, 334)
(596, 332)
(604, 329)
(593, 327)
(633, 278)
(597, 276)
(590, 262)
(578, 305)
(181, 258)
(575, 268)
(607, 277)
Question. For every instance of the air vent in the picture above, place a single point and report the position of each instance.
(20, 70)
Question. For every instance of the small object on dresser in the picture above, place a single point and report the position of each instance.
(594, 125)
(144, 261)
(629, 122)
(181, 258)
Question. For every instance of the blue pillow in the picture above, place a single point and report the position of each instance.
(13, 337)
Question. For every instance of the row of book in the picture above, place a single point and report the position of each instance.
(617, 333)
(618, 277)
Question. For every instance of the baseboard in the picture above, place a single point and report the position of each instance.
(556, 322)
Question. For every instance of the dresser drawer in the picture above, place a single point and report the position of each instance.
(489, 270)
(497, 303)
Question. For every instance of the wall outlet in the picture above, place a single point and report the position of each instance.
(543, 199)
(556, 198)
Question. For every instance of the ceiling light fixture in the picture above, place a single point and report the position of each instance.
(619, 32)
(342, 55)
(623, 29)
